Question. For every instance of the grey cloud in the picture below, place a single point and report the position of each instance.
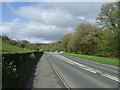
(59, 14)
(49, 21)
(85, 9)
(34, 31)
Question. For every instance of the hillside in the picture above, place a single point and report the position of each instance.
(21, 44)
(8, 47)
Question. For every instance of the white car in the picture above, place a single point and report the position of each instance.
(61, 52)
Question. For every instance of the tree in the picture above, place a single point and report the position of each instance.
(88, 38)
(108, 19)
(108, 16)
(5, 38)
(64, 41)
(25, 41)
(13, 42)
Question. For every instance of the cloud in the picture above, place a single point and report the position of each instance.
(61, 14)
(33, 31)
(49, 21)
(59, 0)
(46, 16)
(16, 20)
(82, 18)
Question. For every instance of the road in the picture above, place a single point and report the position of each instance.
(79, 73)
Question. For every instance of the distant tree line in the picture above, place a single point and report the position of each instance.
(101, 39)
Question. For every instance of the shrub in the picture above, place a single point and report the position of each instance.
(15, 67)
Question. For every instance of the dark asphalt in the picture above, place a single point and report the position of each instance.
(112, 70)
(76, 77)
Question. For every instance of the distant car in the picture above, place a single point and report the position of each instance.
(56, 51)
(61, 52)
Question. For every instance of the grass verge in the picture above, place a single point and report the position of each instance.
(115, 62)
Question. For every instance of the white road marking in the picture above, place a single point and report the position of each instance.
(70, 62)
(86, 67)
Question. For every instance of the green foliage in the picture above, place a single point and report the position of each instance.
(8, 47)
(15, 66)
(110, 61)
(102, 40)
(108, 16)
(108, 19)
(88, 38)
(64, 41)
(85, 40)
(22, 44)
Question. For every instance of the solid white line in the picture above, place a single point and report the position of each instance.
(111, 77)
(70, 62)
(87, 68)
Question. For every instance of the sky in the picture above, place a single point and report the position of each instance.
(45, 22)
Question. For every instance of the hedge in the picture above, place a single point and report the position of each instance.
(15, 66)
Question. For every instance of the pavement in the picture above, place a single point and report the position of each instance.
(45, 77)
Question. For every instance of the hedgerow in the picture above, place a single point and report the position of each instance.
(15, 66)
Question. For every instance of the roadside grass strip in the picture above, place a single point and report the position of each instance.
(103, 60)
(86, 67)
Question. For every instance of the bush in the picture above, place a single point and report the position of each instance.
(15, 66)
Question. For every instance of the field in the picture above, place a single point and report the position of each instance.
(96, 59)
(7, 47)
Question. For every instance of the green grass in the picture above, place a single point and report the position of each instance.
(97, 59)
(9, 48)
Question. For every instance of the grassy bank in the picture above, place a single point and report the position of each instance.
(8, 47)
(110, 61)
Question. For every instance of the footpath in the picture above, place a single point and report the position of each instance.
(44, 76)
